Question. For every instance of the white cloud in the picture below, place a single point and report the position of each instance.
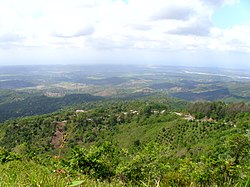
(9, 37)
(95, 25)
(83, 32)
(232, 39)
(175, 12)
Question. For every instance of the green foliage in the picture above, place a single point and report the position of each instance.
(248, 182)
(38, 105)
(75, 183)
(148, 163)
(153, 145)
(238, 147)
(217, 110)
(23, 173)
(206, 172)
(7, 156)
(98, 162)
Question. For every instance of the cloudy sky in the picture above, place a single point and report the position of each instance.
(190, 32)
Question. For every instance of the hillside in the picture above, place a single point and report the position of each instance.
(146, 141)
(35, 105)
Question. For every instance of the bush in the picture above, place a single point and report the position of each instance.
(99, 162)
(7, 156)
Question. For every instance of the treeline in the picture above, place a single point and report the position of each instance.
(218, 110)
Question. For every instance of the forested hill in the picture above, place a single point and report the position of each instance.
(152, 141)
(36, 105)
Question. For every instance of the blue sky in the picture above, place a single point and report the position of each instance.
(190, 32)
(230, 15)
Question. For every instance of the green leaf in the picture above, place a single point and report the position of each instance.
(248, 182)
(76, 183)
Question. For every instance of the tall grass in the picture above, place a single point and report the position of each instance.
(31, 174)
(28, 173)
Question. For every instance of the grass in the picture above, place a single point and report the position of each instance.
(31, 174)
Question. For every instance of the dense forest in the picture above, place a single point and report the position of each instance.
(34, 105)
(144, 141)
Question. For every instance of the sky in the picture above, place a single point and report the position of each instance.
(190, 32)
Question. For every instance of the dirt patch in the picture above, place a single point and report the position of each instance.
(57, 138)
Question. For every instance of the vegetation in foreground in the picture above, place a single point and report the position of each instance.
(154, 141)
